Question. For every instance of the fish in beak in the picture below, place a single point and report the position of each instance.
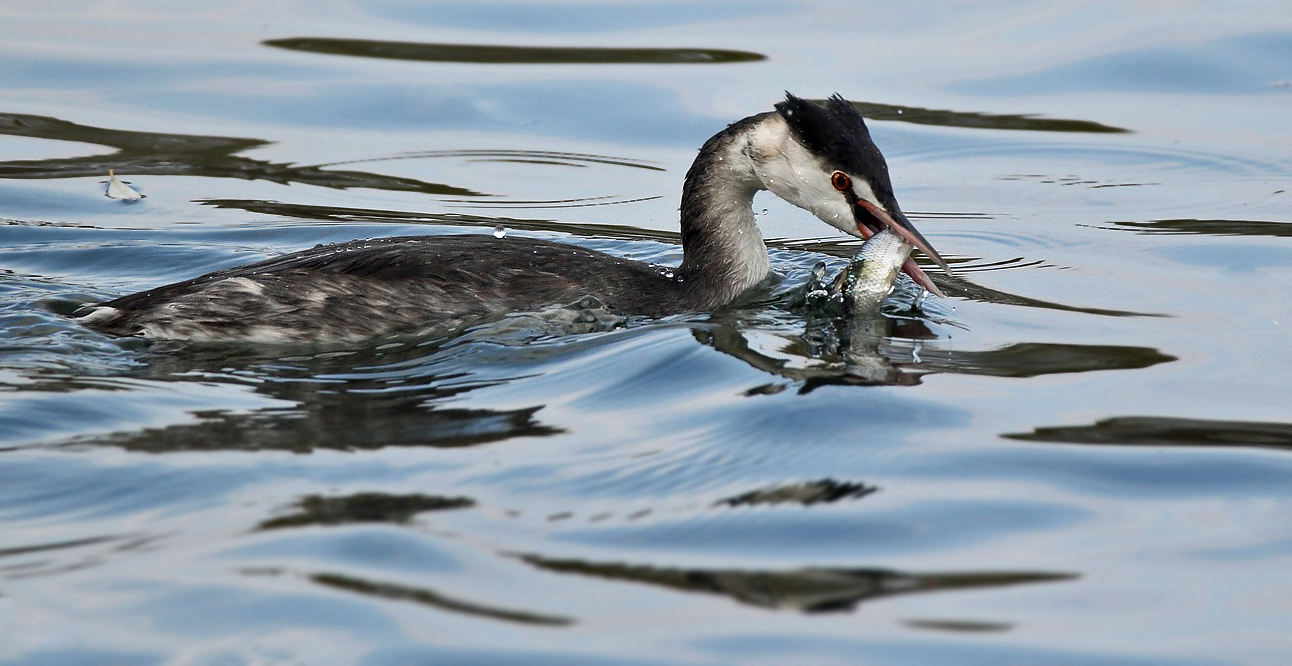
(835, 134)
(872, 219)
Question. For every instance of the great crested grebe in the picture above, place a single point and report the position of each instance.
(819, 158)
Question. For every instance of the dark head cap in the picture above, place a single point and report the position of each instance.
(836, 133)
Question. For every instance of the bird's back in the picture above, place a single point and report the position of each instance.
(357, 290)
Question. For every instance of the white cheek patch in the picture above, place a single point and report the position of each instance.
(794, 174)
(836, 212)
(865, 193)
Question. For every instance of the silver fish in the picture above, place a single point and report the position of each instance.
(869, 278)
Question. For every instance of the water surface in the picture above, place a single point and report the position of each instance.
(1080, 457)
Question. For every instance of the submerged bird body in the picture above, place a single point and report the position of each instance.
(819, 158)
(358, 290)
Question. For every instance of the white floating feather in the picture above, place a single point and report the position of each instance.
(121, 190)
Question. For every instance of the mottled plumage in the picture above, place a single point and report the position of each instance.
(358, 290)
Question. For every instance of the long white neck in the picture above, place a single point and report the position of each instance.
(723, 250)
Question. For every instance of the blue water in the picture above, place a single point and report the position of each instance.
(1080, 457)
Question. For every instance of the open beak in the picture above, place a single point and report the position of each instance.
(872, 219)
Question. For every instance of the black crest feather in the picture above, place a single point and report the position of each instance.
(837, 134)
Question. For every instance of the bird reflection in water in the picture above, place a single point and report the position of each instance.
(893, 345)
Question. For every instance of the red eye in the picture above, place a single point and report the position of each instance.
(841, 181)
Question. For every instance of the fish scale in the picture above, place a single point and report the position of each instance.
(870, 275)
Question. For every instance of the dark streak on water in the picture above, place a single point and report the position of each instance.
(994, 121)
(153, 154)
(1080, 457)
(510, 55)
